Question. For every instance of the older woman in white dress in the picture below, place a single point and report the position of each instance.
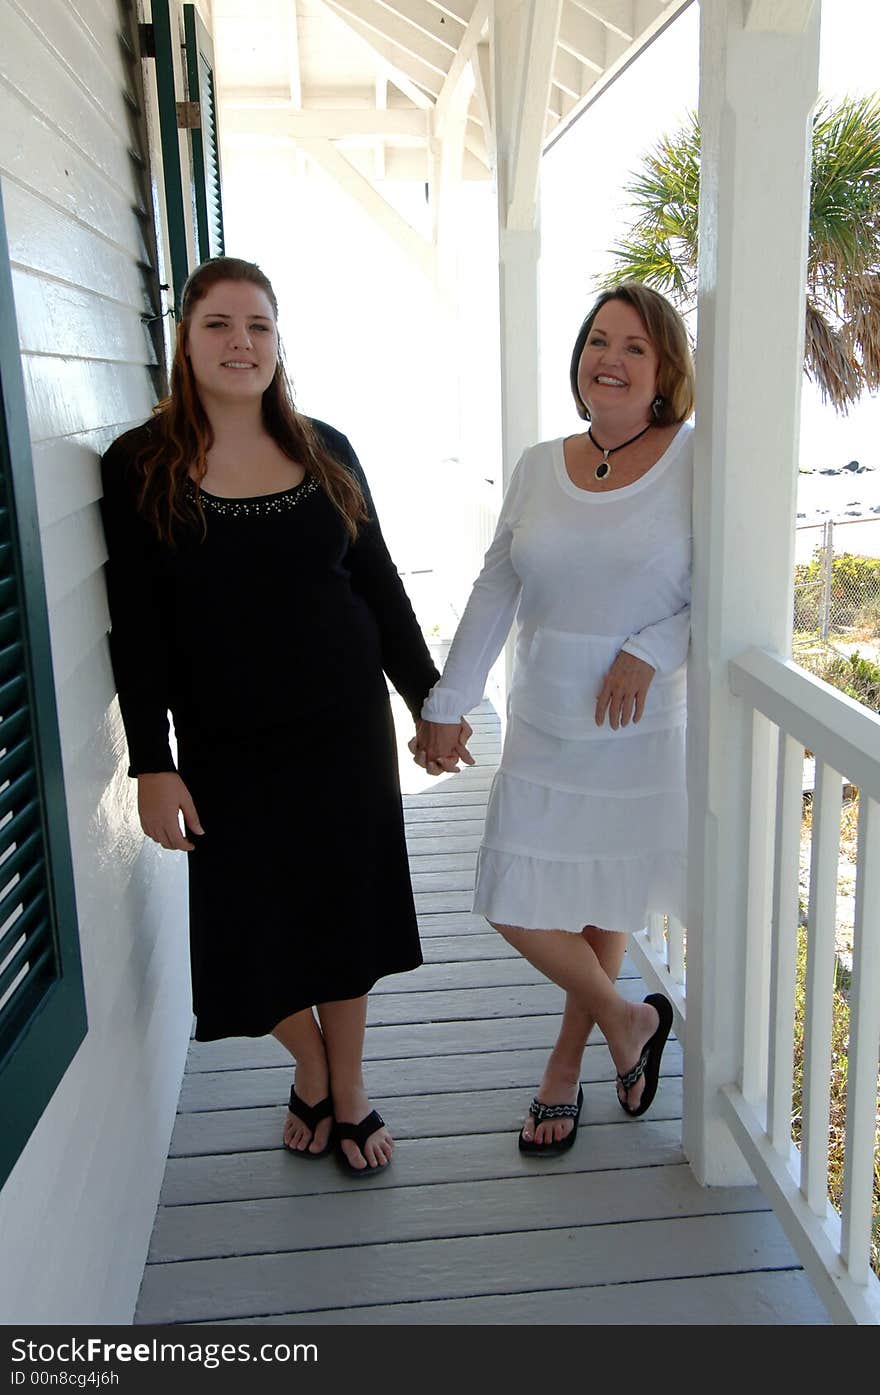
(587, 819)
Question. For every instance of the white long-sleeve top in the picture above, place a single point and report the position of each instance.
(586, 574)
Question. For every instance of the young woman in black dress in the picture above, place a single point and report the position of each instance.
(252, 596)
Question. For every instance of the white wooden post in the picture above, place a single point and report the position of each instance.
(522, 46)
(759, 73)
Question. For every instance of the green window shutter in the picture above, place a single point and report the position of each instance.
(199, 115)
(205, 147)
(42, 1006)
(163, 52)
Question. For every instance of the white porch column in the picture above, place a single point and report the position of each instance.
(522, 35)
(759, 70)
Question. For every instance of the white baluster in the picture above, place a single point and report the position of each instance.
(675, 949)
(762, 821)
(784, 940)
(820, 986)
(655, 931)
(864, 1034)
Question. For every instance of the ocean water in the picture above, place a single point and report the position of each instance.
(850, 499)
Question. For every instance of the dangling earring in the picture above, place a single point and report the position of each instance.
(657, 406)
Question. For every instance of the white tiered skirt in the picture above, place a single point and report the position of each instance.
(585, 831)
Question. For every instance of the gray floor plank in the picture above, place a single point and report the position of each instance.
(428, 901)
(420, 829)
(447, 799)
(452, 922)
(439, 949)
(424, 1042)
(448, 880)
(469, 973)
(527, 1000)
(447, 846)
(417, 1162)
(514, 1068)
(444, 862)
(429, 1269)
(435, 1115)
(778, 1298)
(286, 1224)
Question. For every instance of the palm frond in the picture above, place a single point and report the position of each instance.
(842, 349)
(828, 362)
(862, 326)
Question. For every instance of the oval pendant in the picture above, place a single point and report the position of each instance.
(603, 470)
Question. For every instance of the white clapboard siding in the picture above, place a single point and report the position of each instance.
(81, 267)
(461, 1227)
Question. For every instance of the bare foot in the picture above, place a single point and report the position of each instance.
(558, 1086)
(643, 1021)
(312, 1084)
(350, 1106)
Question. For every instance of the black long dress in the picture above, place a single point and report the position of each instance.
(268, 640)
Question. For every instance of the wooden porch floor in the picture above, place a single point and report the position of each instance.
(462, 1228)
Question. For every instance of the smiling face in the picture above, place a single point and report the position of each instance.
(617, 372)
(232, 342)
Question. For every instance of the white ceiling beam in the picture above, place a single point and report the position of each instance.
(403, 79)
(327, 124)
(538, 50)
(324, 154)
(475, 142)
(293, 67)
(408, 45)
(430, 21)
(568, 74)
(583, 37)
(455, 9)
(379, 147)
(481, 64)
(617, 15)
(471, 37)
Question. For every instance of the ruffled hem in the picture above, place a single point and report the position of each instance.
(538, 893)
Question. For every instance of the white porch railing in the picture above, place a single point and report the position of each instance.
(793, 711)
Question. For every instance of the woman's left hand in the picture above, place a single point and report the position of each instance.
(622, 695)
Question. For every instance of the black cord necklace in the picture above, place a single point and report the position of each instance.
(603, 469)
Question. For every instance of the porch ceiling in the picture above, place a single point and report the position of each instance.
(374, 76)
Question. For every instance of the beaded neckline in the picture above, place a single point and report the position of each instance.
(259, 504)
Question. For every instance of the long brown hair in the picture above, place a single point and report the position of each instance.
(666, 331)
(181, 433)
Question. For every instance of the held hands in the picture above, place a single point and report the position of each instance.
(438, 747)
(622, 695)
(162, 798)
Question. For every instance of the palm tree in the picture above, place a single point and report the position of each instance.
(842, 348)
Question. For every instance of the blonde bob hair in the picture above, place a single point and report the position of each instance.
(665, 328)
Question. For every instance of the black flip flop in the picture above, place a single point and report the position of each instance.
(359, 1133)
(311, 1115)
(648, 1064)
(539, 1113)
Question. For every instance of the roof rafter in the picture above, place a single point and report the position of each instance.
(427, 19)
(461, 61)
(402, 77)
(325, 154)
(616, 15)
(292, 36)
(386, 31)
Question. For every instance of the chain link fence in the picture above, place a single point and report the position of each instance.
(837, 584)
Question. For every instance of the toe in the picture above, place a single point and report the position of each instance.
(354, 1154)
